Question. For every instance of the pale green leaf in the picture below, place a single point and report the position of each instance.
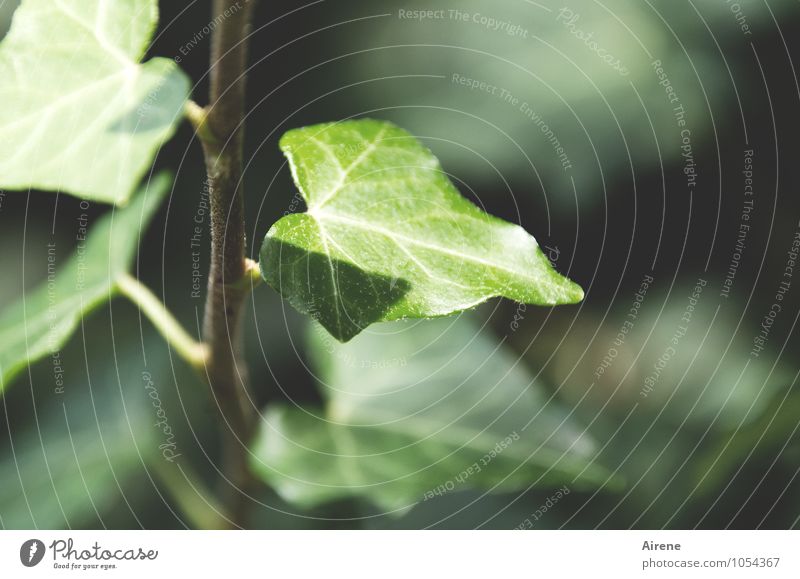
(40, 323)
(413, 407)
(79, 112)
(388, 236)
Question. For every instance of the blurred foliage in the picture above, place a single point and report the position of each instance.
(611, 125)
(38, 324)
(449, 410)
(77, 456)
(707, 380)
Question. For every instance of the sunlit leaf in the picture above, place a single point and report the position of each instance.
(80, 113)
(388, 236)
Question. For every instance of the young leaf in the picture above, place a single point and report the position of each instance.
(388, 236)
(451, 409)
(80, 114)
(39, 324)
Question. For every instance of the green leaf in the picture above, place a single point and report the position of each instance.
(403, 429)
(388, 236)
(80, 114)
(70, 469)
(80, 459)
(39, 324)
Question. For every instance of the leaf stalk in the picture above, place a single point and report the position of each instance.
(194, 352)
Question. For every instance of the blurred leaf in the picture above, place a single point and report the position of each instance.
(40, 323)
(681, 360)
(67, 475)
(80, 114)
(68, 462)
(387, 235)
(669, 375)
(451, 409)
(776, 427)
(513, 86)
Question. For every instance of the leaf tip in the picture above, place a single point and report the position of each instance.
(575, 292)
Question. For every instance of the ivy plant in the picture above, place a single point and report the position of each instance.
(384, 419)
(386, 236)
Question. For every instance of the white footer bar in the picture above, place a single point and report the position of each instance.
(390, 554)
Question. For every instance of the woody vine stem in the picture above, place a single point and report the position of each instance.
(219, 126)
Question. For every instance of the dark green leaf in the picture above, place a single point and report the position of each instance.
(410, 411)
(82, 456)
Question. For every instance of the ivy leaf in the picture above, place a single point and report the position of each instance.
(450, 409)
(388, 236)
(69, 467)
(80, 113)
(87, 455)
(39, 324)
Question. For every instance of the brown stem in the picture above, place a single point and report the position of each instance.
(223, 145)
